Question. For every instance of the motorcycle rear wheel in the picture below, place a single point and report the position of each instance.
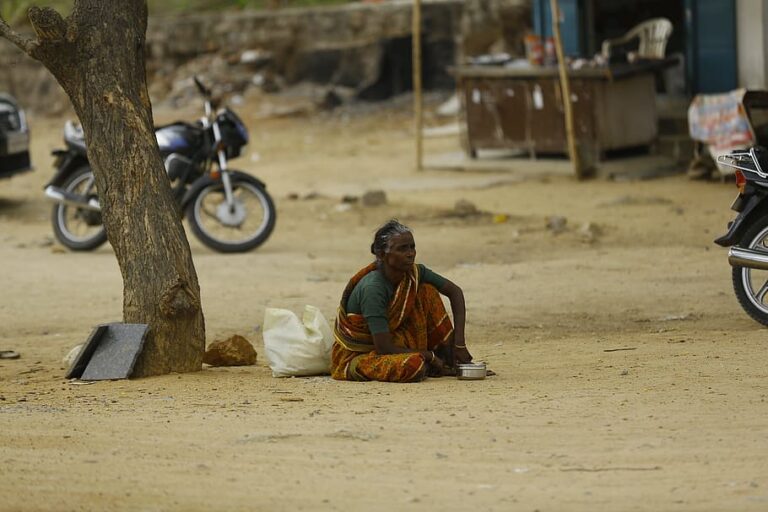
(77, 228)
(242, 227)
(749, 284)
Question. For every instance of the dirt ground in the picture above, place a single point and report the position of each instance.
(628, 376)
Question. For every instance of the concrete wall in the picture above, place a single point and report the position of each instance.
(347, 45)
(751, 23)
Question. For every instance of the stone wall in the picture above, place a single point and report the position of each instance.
(362, 46)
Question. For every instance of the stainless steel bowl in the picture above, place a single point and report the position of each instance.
(471, 371)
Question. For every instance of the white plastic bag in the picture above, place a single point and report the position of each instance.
(297, 347)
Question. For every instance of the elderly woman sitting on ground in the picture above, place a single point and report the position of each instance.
(392, 325)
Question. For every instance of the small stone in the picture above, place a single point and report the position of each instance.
(588, 232)
(330, 100)
(234, 351)
(464, 208)
(556, 224)
(57, 249)
(72, 355)
(374, 198)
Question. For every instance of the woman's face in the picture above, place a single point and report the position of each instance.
(402, 252)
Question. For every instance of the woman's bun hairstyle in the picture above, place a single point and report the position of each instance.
(385, 233)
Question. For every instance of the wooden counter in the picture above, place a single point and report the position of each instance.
(522, 108)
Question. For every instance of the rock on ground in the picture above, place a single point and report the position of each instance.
(234, 351)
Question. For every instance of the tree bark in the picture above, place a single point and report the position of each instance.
(97, 55)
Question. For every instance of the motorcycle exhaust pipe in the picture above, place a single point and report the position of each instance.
(740, 257)
(62, 196)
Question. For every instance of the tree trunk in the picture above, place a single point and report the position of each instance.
(97, 55)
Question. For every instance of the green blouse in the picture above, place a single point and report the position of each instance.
(372, 294)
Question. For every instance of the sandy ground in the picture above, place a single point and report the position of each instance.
(675, 420)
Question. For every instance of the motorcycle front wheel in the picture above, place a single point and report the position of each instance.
(79, 229)
(749, 284)
(240, 227)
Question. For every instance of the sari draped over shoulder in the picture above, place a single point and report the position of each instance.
(417, 320)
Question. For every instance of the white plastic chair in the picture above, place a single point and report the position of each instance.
(653, 35)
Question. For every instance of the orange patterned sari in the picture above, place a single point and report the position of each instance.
(417, 321)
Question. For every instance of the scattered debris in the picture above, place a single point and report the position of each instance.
(9, 354)
(501, 218)
(588, 232)
(32, 370)
(464, 208)
(346, 434)
(374, 198)
(349, 199)
(618, 349)
(675, 318)
(265, 438)
(556, 224)
(234, 351)
(634, 200)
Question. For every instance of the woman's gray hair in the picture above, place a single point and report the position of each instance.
(385, 233)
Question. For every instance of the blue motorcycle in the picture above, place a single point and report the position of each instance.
(228, 210)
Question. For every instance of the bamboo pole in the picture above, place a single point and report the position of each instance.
(565, 87)
(417, 105)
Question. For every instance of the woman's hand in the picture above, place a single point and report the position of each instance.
(462, 355)
(460, 352)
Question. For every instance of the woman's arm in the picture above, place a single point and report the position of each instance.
(456, 297)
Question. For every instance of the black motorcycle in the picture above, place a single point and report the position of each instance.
(228, 210)
(748, 233)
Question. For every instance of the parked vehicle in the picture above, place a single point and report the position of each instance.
(228, 210)
(747, 234)
(14, 138)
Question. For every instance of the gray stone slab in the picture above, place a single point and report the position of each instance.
(89, 347)
(110, 352)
